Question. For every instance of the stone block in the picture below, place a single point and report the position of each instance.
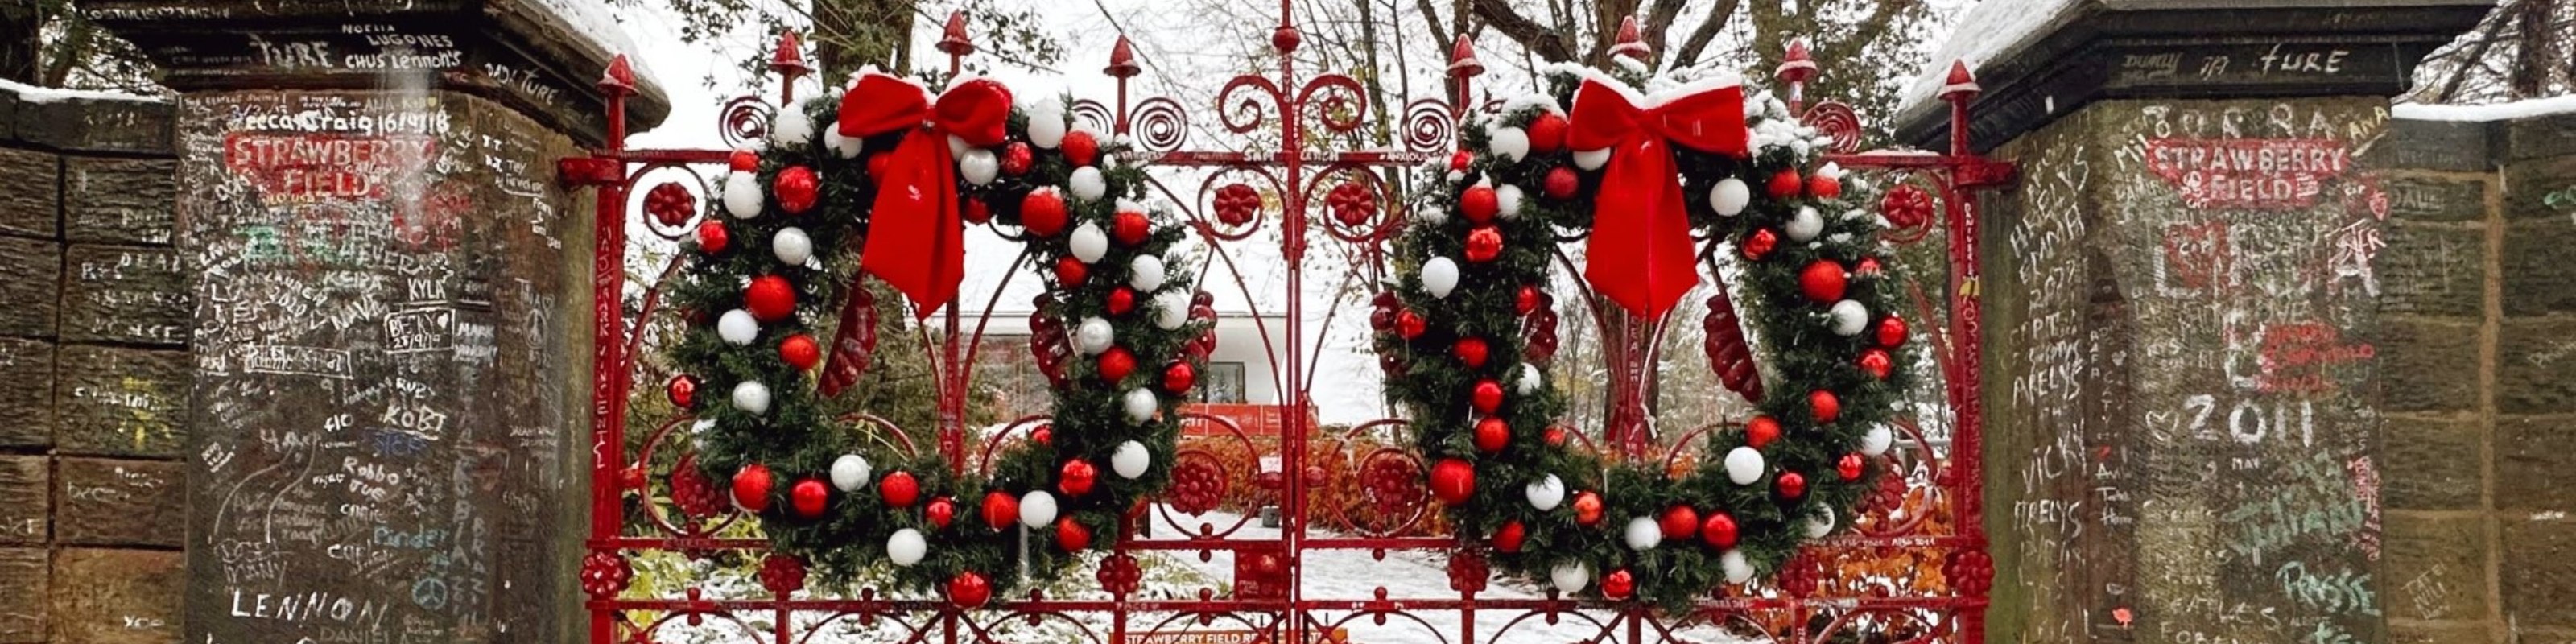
(2433, 145)
(2439, 632)
(123, 401)
(2532, 462)
(2538, 278)
(2433, 269)
(126, 294)
(2539, 578)
(103, 596)
(2428, 365)
(28, 402)
(33, 204)
(23, 573)
(2540, 188)
(2535, 358)
(108, 502)
(2431, 465)
(140, 126)
(2421, 198)
(2546, 136)
(2436, 568)
(119, 201)
(30, 272)
(26, 504)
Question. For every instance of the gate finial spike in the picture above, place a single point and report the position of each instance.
(1796, 66)
(952, 39)
(1122, 59)
(1462, 59)
(1630, 44)
(789, 60)
(1960, 83)
(619, 78)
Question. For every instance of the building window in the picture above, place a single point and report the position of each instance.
(1221, 382)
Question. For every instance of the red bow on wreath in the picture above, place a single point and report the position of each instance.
(916, 241)
(1640, 255)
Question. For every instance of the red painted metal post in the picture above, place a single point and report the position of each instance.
(609, 375)
(1967, 329)
(1292, 149)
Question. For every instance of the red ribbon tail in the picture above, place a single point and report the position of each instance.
(1640, 254)
(914, 241)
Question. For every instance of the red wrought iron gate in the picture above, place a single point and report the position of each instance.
(1915, 570)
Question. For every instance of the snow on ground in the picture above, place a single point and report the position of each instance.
(2521, 109)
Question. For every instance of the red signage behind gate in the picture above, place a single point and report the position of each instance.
(1915, 570)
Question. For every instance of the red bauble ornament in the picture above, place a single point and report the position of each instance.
(899, 489)
(1868, 268)
(743, 161)
(1043, 435)
(1850, 467)
(800, 351)
(940, 511)
(1471, 352)
(1076, 478)
(1487, 396)
(1070, 271)
(1080, 148)
(1122, 301)
(1492, 434)
(1876, 363)
(1484, 244)
(1784, 185)
(1718, 531)
(1016, 159)
(1071, 536)
(1042, 213)
(1825, 405)
(1001, 510)
(1116, 363)
(796, 189)
(1792, 485)
(751, 486)
(683, 391)
(974, 211)
(1409, 325)
(769, 298)
(1130, 228)
(1587, 508)
(1179, 377)
(1560, 183)
(1507, 539)
(1554, 436)
(969, 590)
(1824, 187)
(1679, 522)
(1891, 332)
(1479, 204)
(1822, 281)
(1453, 480)
(1526, 300)
(1460, 161)
(1761, 431)
(807, 498)
(1546, 133)
(1760, 243)
(1617, 584)
(713, 239)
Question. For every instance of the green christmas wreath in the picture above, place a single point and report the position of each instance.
(880, 179)
(1655, 184)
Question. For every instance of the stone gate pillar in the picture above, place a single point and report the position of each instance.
(391, 339)
(2188, 363)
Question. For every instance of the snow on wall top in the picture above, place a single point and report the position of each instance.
(2510, 111)
(34, 94)
(1993, 27)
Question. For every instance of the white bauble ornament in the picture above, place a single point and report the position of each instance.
(1805, 225)
(1643, 533)
(1822, 524)
(1093, 336)
(978, 167)
(1439, 276)
(738, 327)
(1145, 273)
(1737, 569)
(1430, 214)
(1876, 442)
(1046, 124)
(1140, 404)
(1545, 494)
(1849, 317)
(1730, 196)
(1510, 142)
(1171, 310)
(1088, 242)
(1507, 201)
(1570, 577)
(1743, 465)
(1526, 379)
(742, 195)
(1590, 160)
(791, 246)
(751, 397)
(846, 146)
(850, 472)
(957, 146)
(1087, 184)
(1037, 509)
(906, 547)
(792, 129)
(1131, 460)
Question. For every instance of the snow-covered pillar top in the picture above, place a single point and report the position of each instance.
(2038, 60)
(539, 57)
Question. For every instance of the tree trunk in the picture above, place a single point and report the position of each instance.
(19, 51)
(850, 34)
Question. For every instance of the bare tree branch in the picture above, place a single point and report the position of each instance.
(1546, 43)
(1707, 31)
(1659, 23)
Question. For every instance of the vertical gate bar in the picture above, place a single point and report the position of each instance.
(608, 354)
(1293, 242)
(1966, 329)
